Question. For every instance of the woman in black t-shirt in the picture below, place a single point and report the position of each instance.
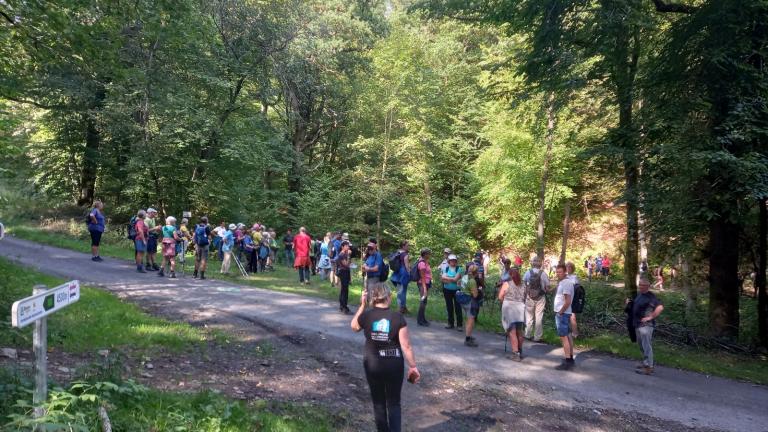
(386, 344)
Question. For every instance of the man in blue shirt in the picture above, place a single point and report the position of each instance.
(372, 267)
(96, 227)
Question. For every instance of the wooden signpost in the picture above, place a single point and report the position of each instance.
(35, 309)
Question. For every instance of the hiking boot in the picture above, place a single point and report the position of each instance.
(571, 363)
(202, 275)
(646, 370)
(161, 273)
(470, 342)
(155, 267)
(140, 269)
(194, 275)
(449, 327)
(173, 275)
(515, 357)
(563, 365)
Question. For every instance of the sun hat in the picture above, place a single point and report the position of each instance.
(232, 226)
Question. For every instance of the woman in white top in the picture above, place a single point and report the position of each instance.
(512, 294)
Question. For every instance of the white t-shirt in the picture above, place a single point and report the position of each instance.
(219, 231)
(564, 287)
(443, 266)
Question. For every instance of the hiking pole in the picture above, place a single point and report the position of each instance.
(240, 266)
(183, 257)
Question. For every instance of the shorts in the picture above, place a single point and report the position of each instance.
(606, 271)
(152, 245)
(201, 252)
(473, 308)
(563, 324)
(140, 245)
(169, 248)
(95, 237)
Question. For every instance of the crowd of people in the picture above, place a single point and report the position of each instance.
(523, 294)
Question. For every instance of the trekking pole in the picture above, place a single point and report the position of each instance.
(183, 257)
(240, 266)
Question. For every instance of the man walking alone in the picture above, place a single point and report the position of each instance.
(562, 306)
(646, 308)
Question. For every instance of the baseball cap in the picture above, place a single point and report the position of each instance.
(232, 226)
(452, 257)
(151, 210)
(447, 250)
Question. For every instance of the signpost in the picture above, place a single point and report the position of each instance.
(35, 309)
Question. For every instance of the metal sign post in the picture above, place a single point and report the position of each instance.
(35, 309)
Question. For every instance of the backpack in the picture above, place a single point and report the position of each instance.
(395, 261)
(131, 228)
(383, 271)
(88, 217)
(201, 238)
(534, 288)
(414, 273)
(579, 298)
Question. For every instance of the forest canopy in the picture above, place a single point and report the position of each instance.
(530, 125)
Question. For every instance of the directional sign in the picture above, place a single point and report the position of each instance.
(30, 309)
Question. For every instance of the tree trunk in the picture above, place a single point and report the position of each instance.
(723, 277)
(545, 175)
(566, 230)
(90, 165)
(760, 282)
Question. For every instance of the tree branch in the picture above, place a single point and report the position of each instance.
(663, 7)
(31, 102)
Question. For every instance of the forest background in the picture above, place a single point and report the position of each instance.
(633, 128)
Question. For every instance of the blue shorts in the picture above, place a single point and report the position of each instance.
(141, 245)
(563, 324)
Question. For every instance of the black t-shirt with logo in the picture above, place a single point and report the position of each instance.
(382, 334)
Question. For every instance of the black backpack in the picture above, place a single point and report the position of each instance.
(579, 298)
(383, 271)
(395, 261)
(131, 228)
(414, 275)
(88, 216)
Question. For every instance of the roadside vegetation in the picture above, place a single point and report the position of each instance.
(680, 334)
(100, 322)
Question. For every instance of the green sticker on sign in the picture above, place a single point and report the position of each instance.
(49, 302)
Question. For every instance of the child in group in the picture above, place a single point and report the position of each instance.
(170, 237)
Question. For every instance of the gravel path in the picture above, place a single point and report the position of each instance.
(463, 388)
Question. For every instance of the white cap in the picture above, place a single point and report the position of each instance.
(452, 257)
(151, 210)
(232, 226)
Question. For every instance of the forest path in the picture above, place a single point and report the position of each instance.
(598, 382)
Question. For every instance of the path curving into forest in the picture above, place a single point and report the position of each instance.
(599, 382)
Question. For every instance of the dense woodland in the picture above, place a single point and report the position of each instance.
(495, 124)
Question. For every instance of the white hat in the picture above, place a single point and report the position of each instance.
(151, 210)
(232, 226)
(345, 236)
(452, 257)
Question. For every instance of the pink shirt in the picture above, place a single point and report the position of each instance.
(425, 272)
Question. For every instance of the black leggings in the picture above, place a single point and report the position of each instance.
(452, 305)
(344, 277)
(386, 381)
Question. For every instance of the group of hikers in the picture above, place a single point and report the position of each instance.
(523, 294)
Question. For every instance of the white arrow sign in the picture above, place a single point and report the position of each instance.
(30, 309)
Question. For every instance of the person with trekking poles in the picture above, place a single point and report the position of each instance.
(96, 225)
(202, 240)
(387, 345)
(450, 277)
(475, 288)
(512, 296)
(536, 286)
(169, 247)
(140, 241)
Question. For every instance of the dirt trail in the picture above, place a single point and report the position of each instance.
(300, 349)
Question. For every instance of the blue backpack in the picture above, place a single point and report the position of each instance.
(201, 237)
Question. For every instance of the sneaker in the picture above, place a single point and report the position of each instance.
(645, 371)
(97, 259)
(563, 366)
(515, 357)
(173, 275)
(470, 342)
(140, 269)
(155, 267)
(449, 327)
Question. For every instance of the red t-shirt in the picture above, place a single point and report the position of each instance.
(301, 245)
(141, 230)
